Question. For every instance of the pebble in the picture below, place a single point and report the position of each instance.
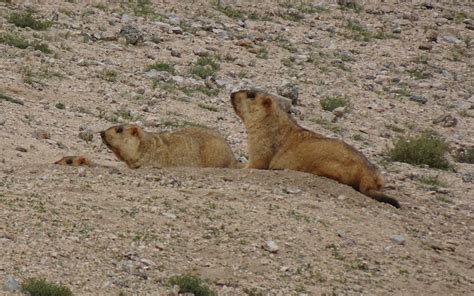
(86, 135)
(446, 120)
(177, 30)
(291, 91)
(426, 46)
(41, 134)
(21, 149)
(132, 34)
(10, 284)
(418, 99)
(398, 239)
(449, 39)
(271, 246)
(175, 53)
(397, 30)
(292, 190)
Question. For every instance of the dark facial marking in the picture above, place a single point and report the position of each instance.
(251, 94)
(119, 129)
(69, 161)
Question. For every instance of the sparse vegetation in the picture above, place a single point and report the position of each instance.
(358, 32)
(205, 67)
(208, 107)
(331, 103)
(432, 182)
(10, 99)
(142, 7)
(21, 42)
(262, 53)
(41, 287)
(109, 75)
(466, 155)
(426, 148)
(283, 42)
(418, 73)
(162, 66)
(188, 283)
(26, 19)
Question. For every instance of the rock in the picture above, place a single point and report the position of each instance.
(158, 75)
(292, 190)
(126, 18)
(448, 39)
(175, 53)
(2, 120)
(468, 178)
(425, 46)
(141, 91)
(290, 91)
(177, 30)
(418, 99)
(398, 239)
(397, 29)
(86, 135)
(132, 34)
(10, 284)
(21, 149)
(271, 246)
(174, 20)
(446, 120)
(41, 134)
(338, 112)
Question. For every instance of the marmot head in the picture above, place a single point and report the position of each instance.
(124, 141)
(74, 161)
(251, 105)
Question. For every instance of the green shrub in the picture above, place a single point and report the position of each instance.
(426, 148)
(164, 67)
(331, 103)
(26, 19)
(41, 287)
(21, 42)
(466, 156)
(188, 283)
(205, 67)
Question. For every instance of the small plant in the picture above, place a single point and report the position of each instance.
(466, 156)
(208, 107)
(283, 42)
(358, 31)
(142, 7)
(262, 53)
(432, 182)
(426, 148)
(205, 67)
(41, 287)
(21, 42)
(331, 103)
(188, 283)
(229, 11)
(418, 73)
(252, 292)
(164, 67)
(27, 19)
(60, 106)
(109, 75)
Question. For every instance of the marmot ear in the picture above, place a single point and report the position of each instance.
(82, 160)
(135, 132)
(267, 102)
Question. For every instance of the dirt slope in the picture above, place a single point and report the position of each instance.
(106, 230)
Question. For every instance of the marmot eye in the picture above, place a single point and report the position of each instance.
(69, 161)
(119, 130)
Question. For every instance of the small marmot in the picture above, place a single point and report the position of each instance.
(191, 147)
(74, 161)
(276, 141)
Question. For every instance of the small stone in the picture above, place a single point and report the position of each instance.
(426, 46)
(175, 53)
(21, 149)
(126, 18)
(397, 30)
(446, 120)
(128, 266)
(398, 239)
(81, 172)
(86, 135)
(449, 39)
(177, 30)
(271, 246)
(418, 99)
(132, 34)
(339, 112)
(174, 20)
(292, 190)
(141, 91)
(290, 91)
(41, 134)
(10, 284)
(341, 197)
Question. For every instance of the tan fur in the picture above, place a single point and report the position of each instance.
(192, 147)
(276, 141)
(74, 161)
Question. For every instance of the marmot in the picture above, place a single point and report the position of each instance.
(192, 147)
(74, 161)
(276, 141)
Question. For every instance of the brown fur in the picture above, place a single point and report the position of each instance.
(192, 147)
(276, 141)
(74, 161)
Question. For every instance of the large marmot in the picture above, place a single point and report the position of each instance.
(276, 141)
(192, 147)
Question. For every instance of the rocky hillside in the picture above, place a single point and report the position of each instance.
(368, 74)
